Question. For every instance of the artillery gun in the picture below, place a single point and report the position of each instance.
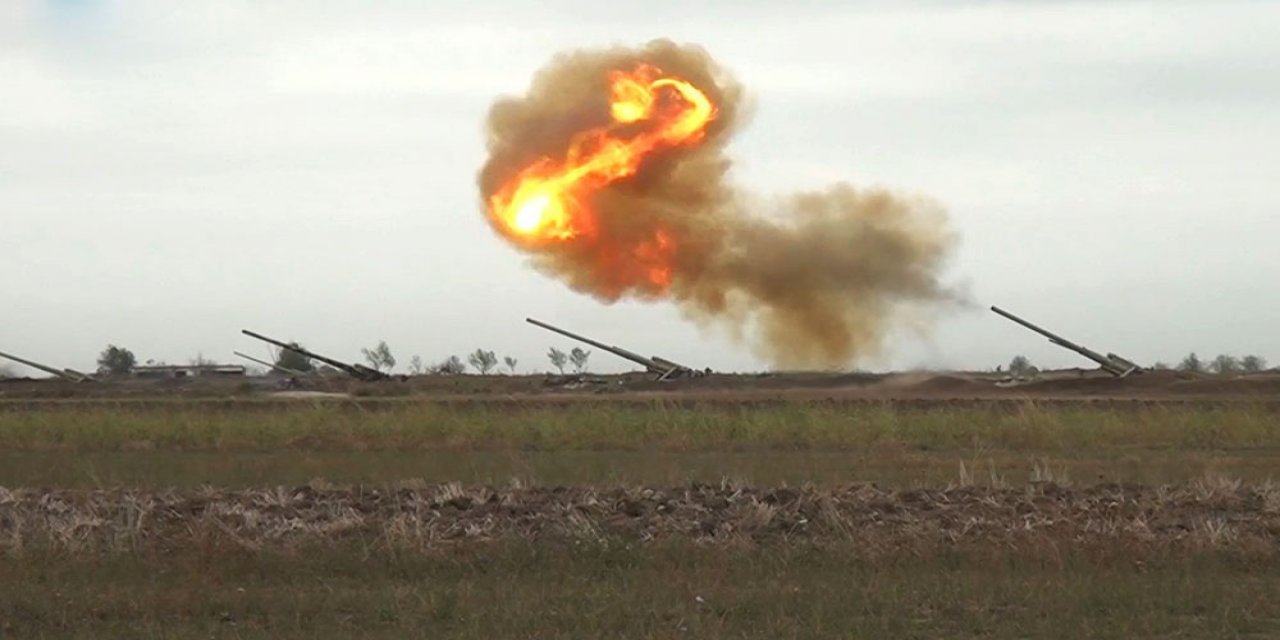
(65, 374)
(1111, 363)
(357, 371)
(663, 368)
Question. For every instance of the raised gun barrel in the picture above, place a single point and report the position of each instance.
(276, 367)
(664, 368)
(66, 374)
(1111, 363)
(357, 371)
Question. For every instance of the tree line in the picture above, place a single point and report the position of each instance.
(116, 360)
(484, 361)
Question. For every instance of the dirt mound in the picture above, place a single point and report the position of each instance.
(949, 385)
(1096, 385)
(1251, 385)
(1211, 512)
(1158, 384)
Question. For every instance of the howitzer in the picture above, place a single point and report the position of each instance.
(357, 371)
(275, 367)
(66, 374)
(1111, 363)
(665, 369)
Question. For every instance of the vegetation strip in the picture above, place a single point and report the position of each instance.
(1212, 512)
(425, 426)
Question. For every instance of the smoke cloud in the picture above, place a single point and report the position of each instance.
(815, 279)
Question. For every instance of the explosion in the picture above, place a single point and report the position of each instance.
(546, 201)
(610, 174)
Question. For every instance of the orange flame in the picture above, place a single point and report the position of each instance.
(549, 201)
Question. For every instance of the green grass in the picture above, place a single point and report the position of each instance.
(248, 444)
(669, 591)
(632, 426)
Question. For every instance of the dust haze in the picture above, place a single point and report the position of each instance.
(814, 279)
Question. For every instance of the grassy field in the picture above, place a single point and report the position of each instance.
(593, 425)
(1195, 559)
(662, 591)
(249, 444)
(659, 425)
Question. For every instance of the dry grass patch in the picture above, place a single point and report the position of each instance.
(1028, 426)
(1214, 512)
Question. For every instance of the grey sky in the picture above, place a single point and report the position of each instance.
(173, 172)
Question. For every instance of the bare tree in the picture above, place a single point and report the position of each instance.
(1191, 363)
(380, 356)
(579, 359)
(451, 366)
(415, 365)
(6, 371)
(483, 361)
(558, 359)
(1225, 364)
(1021, 366)
(511, 364)
(1253, 364)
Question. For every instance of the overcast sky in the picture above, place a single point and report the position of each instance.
(172, 172)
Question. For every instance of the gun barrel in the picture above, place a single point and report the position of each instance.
(292, 372)
(1123, 361)
(1108, 364)
(1048, 334)
(669, 364)
(355, 370)
(283, 345)
(66, 374)
(648, 363)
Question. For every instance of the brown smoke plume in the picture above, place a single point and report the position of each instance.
(817, 282)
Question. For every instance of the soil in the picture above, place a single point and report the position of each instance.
(1212, 512)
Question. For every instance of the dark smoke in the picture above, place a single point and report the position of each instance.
(818, 281)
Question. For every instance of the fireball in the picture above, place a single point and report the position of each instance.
(549, 202)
